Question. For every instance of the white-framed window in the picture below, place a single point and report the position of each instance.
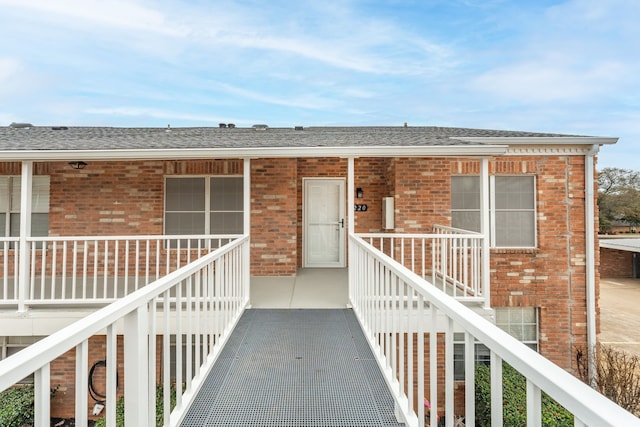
(11, 345)
(482, 355)
(512, 208)
(10, 206)
(519, 322)
(204, 205)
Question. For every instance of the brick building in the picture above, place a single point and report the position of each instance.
(531, 195)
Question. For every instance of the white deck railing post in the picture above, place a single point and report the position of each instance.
(136, 355)
(42, 397)
(82, 379)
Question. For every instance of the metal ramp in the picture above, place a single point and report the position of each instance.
(287, 367)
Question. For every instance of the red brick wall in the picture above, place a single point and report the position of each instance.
(371, 175)
(63, 376)
(422, 194)
(551, 277)
(274, 221)
(615, 263)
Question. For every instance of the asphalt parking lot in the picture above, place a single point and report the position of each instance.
(620, 314)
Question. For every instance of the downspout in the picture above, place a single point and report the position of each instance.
(591, 261)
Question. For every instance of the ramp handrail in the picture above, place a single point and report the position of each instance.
(198, 305)
(399, 311)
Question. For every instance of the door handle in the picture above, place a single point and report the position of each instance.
(341, 222)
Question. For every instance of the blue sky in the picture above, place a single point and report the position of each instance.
(550, 66)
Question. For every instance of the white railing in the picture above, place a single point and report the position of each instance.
(196, 306)
(94, 269)
(399, 311)
(9, 267)
(451, 258)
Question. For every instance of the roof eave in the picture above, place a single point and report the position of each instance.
(263, 152)
(542, 140)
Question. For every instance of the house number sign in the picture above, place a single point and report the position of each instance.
(360, 208)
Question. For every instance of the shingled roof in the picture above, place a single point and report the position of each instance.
(41, 139)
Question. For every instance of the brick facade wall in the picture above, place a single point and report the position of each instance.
(274, 226)
(126, 198)
(615, 263)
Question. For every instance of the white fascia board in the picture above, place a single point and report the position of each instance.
(274, 152)
(623, 244)
(544, 140)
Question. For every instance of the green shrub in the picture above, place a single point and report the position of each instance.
(159, 408)
(514, 401)
(16, 406)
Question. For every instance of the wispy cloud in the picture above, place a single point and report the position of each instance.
(548, 80)
(165, 115)
(116, 14)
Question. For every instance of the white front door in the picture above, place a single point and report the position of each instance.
(324, 222)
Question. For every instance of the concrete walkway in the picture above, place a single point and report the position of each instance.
(620, 314)
(310, 288)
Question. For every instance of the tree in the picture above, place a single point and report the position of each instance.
(618, 197)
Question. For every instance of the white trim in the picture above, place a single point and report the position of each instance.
(253, 153)
(621, 244)
(541, 140)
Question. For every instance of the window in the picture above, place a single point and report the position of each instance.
(204, 205)
(482, 355)
(11, 345)
(10, 206)
(519, 322)
(512, 208)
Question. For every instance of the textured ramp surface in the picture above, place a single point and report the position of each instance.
(294, 368)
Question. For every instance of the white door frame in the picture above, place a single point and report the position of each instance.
(341, 224)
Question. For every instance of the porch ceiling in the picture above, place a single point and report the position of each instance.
(102, 143)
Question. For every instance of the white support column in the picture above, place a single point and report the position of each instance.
(590, 240)
(246, 182)
(485, 229)
(350, 221)
(26, 190)
(246, 255)
(135, 368)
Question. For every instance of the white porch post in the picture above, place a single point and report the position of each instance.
(350, 220)
(485, 221)
(26, 190)
(246, 261)
(590, 240)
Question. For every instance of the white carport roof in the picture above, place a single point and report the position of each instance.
(621, 244)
